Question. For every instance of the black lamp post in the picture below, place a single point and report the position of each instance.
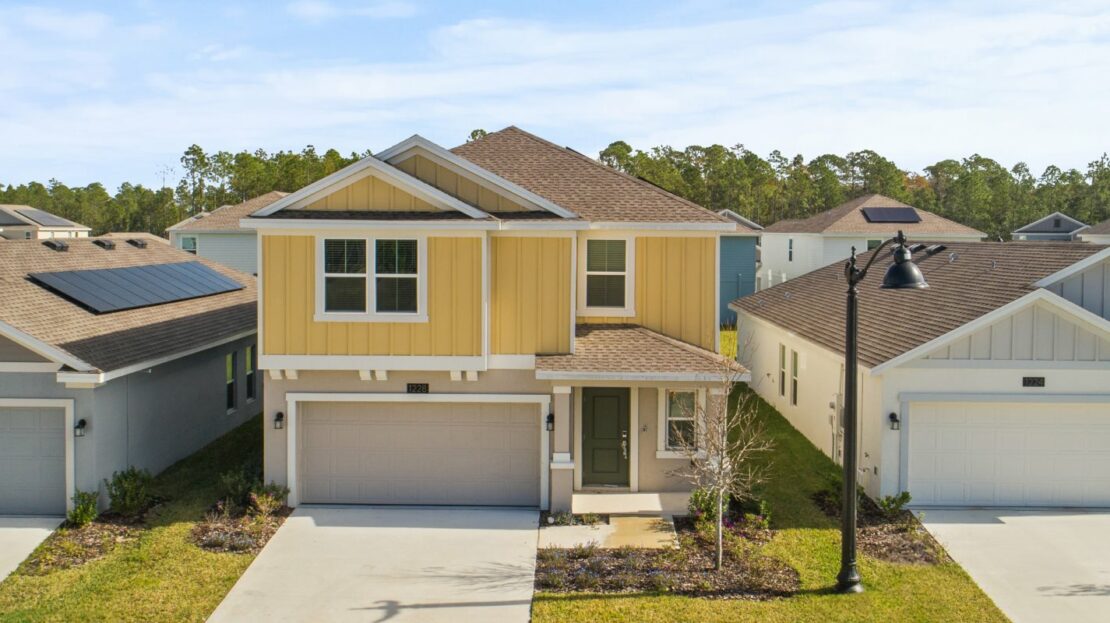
(903, 273)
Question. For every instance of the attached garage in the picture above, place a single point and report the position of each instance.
(442, 452)
(1009, 454)
(32, 460)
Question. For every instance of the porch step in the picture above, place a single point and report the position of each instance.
(615, 503)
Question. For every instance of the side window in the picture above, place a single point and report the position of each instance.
(229, 364)
(782, 369)
(189, 244)
(790, 250)
(794, 378)
(251, 362)
(606, 271)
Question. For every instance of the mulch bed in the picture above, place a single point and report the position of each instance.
(72, 547)
(241, 535)
(902, 539)
(687, 569)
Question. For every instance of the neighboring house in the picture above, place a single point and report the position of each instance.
(20, 222)
(217, 235)
(988, 388)
(133, 235)
(505, 323)
(97, 373)
(739, 262)
(1098, 234)
(1055, 226)
(792, 248)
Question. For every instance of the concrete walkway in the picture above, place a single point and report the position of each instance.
(19, 536)
(376, 564)
(1036, 565)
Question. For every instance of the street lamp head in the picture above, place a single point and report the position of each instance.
(903, 273)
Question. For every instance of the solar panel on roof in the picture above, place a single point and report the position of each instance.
(44, 218)
(9, 220)
(106, 290)
(891, 215)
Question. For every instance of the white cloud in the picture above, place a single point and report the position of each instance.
(323, 10)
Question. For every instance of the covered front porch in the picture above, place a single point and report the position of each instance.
(622, 401)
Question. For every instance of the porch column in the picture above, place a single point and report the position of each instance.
(562, 465)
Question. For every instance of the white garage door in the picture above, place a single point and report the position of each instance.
(419, 453)
(32, 461)
(993, 454)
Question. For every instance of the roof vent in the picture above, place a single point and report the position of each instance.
(914, 248)
(933, 250)
(952, 257)
(56, 245)
(135, 242)
(107, 245)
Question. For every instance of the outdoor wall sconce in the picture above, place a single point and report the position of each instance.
(550, 422)
(79, 428)
(895, 423)
(279, 420)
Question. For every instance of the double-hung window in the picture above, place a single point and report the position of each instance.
(794, 378)
(372, 279)
(229, 364)
(681, 419)
(782, 369)
(606, 287)
(189, 244)
(789, 249)
(250, 362)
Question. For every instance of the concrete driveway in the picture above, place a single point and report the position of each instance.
(376, 564)
(19, 536)
(1036, 565)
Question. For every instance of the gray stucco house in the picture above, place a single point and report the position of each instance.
(115, 353)
(216, 235)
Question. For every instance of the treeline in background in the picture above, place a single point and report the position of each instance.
(976, 191)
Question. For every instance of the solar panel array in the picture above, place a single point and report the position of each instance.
(9, 220)
(106, 290)
(44, 218)
(891, 215)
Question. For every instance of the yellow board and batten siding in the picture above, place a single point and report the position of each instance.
(530, 295)
(373, 195)
(459, 187)
(454, 326)
(676, 289)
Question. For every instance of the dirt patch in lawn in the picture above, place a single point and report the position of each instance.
(564, 518)
(222, 532)
(747, 573)
(900, 539)
(72, 547)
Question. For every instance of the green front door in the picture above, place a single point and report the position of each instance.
(605, 436)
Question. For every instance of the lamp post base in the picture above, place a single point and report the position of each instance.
(849, 582)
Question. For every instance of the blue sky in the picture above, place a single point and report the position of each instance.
(115, 92)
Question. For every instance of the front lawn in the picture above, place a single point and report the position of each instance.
(160, 575)
(808, 540)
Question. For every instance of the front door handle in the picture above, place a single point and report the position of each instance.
(624, 444)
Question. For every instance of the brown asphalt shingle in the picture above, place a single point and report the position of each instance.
(979, 278)
(1100, 229)
(848, 218)
(227, 217)
(115, 340)
(578, 183)
(631, 349)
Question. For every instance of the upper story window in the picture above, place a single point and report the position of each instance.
(871, 244)
(606, 285)
(372, 279)
(189, 244)
(789, 249)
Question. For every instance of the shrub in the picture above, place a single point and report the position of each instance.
(85, 508)
(893, 505)
(590, 519)
(582, 552)
(235, 488)
(265, 500)
(703, 503)
(129, 491)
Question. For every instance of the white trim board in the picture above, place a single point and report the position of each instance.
(42, 348)
(67, 405)
(444, 363)
(293, 399)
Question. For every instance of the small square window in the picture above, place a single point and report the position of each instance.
(189, 244)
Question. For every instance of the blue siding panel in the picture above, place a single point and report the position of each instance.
(737, 272)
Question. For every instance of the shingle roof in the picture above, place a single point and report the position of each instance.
(1101, 229)
(848, 218)
(372, 215)
(227, 217)
(139, 235)
(579, 183)
(612, 350)
(979, 278)
(115, 340)
(10, 215)
(1047, 225)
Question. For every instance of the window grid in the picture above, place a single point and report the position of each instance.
(345, 267)
(680, 417)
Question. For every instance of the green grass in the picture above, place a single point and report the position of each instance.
(159, 577)
(810, 542)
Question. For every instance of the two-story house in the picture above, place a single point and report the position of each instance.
(218, 236)
(505, 323)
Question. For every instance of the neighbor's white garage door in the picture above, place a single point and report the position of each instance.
(419, 453)
(993, 454)
(32, 461)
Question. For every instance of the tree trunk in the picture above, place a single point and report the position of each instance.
(720, 529)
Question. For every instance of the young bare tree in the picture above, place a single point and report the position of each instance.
(724, 446)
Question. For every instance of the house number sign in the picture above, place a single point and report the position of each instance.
(417, 388)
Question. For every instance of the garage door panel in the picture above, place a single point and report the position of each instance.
(1010, 454)
(32, 461)
(427, 453)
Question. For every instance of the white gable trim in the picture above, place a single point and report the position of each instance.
(746, 222)
(1075, 268)
(36, 345)
(1081, 224)
(417, 144)
(1040, 295)
(361, 169)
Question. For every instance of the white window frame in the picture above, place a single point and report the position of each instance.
(232, 383)
(250, 372)
(661, 449)
(789, 249)
(795, 372)
(629, 308)
(782, 370)
(370, 315)
(196, 244)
